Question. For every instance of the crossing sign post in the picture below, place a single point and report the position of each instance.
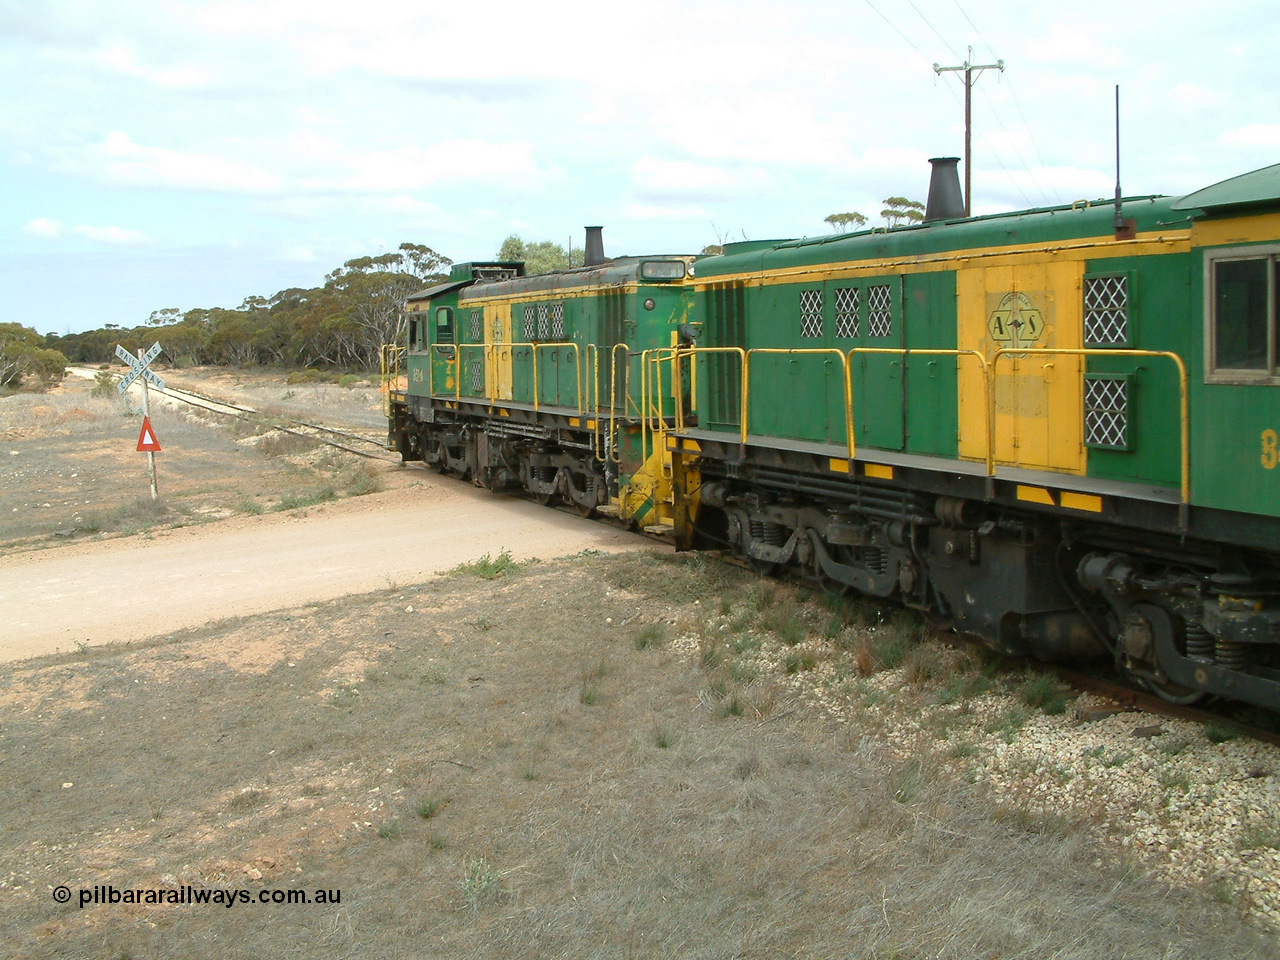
(139, 369)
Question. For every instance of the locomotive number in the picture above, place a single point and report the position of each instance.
(1270, 453)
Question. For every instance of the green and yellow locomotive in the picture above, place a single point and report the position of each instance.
(1054, 428)
(549, 384)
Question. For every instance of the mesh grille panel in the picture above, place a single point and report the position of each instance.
(811, 313)
(477, 326)
(477, 376)
(557, 321)
(846, 311)
(1106, 310)
(530, 322)
(1106, 412)
(543, 328)
(880, 310)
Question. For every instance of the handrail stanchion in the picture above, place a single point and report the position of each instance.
(1184, 437)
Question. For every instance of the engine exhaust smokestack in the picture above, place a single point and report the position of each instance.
(946, 202)
(594, 248)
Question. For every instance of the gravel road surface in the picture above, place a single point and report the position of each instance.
(129, 589)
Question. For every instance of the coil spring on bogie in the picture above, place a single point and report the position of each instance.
(775, 534)
(544, 474)
(1233, 655)
(1200, 644)
(757, 529)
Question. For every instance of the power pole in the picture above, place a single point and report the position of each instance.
(969, 70)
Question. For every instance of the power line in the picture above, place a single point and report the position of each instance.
(990, 49)
(933, 28)
(895, 29)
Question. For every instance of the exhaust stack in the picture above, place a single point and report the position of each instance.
(946, 202)
(594, 255)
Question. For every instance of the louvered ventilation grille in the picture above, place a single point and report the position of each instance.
(811, 313)
(1106, 311)
(846, 311)
(1106, 412)
(880, 311)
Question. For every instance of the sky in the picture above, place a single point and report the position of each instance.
(194, 154)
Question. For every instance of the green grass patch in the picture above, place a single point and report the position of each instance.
(296, 501)
(1220, 731)
(488, 567)
(650, 635)
(1045, 692)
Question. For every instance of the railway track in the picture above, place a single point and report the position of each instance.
(300, 428)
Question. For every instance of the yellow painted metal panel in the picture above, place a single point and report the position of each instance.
(497, 331)
(1082, 501)
(1209, 233)
(878, 470)
(839, 466)
(1035, 495)
(1038, 400)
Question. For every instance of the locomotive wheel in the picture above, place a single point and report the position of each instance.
(585, 510)
(547, 499)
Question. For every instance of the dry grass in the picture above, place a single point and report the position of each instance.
(451, 782)
(68, 467)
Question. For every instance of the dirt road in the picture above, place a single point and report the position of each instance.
(128, 589)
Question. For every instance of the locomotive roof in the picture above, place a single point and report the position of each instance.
(615, 272)
(1047, 225)
(1255, 188)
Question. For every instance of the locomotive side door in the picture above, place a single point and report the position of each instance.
(497, 326)
(1038, 397)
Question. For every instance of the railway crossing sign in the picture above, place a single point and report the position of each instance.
(138, 367)
(147, 442)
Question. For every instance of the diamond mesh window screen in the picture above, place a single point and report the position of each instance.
(811, 313)
(543, 328)
(477, 376)
(1106, 311)
(846, 311)
(530, 322)
(557, 321)
(477, 326)
(880, 310)
(1106, 412)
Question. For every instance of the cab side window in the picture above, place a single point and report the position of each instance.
(444, 325)
(1243, 336)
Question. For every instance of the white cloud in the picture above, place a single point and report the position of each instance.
(661, 180)
(44, 227)
(121, 59)
(1252, 135)
(131, 164)
(49, 229)
(118, 235)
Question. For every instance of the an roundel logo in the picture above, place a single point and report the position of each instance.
(1015, 323)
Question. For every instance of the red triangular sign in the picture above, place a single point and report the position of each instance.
(147, 442)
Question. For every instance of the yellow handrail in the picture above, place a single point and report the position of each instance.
(844, 366)
(577, 366)
(1183, 406)
(934, 352)
(390, 361)
(742, 367)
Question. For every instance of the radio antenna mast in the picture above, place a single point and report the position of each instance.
(1125, 229)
